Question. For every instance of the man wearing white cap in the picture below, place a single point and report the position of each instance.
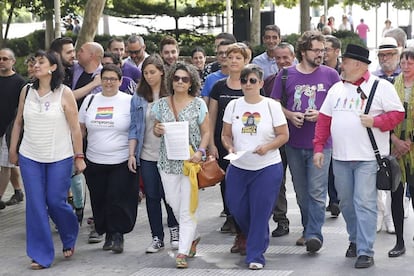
(389, 59)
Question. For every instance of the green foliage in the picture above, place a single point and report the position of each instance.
(348, 37)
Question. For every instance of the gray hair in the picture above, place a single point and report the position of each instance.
(399, 35)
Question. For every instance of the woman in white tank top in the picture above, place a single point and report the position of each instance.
(51, 142)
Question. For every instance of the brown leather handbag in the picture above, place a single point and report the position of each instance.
(210, 173)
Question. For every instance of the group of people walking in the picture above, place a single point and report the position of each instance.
(116, 139)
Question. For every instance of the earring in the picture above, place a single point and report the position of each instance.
(49, 72)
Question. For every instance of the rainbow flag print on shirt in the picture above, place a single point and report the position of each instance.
(104, 113)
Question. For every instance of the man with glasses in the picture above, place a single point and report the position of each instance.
(354, 164)
(117, 46)
(306, 88)
(11, 84)
(215, 65)
(221, 73)
(136, 51)
(389, 59)
(266, 60)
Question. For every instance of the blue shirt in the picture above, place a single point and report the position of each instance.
(210, 81)
(267, 63)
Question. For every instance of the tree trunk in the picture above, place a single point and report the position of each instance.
(93, 12)
(49, 33)
(304, 16)
(2, 8)
(255, 23)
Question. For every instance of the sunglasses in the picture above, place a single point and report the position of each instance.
(251, 80)
(361, 93)
(135, 52)
(183, 79)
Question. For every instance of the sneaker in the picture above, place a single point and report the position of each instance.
(155, 246)
(313, 245)
(94, 237)
(108, 242)
(174, 237)
(228, 226)
(281, 230)
(255, 266)
(2, 204)
(118, 245)
(16, 198)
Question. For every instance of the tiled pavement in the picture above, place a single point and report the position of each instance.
(213, 256)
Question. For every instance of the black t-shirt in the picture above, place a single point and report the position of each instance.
(9, 92)
(223, 95)
(67, 80)
(83, 80)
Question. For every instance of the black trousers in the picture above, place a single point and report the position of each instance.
(114, 197)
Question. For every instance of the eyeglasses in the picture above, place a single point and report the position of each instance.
(387, 55)
(183, 79)
(318, 51)
(134, 52)
(5, 58)
(361, 93)
(251, 80)
(106, 79)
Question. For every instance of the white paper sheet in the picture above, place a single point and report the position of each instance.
(177, 140)
(234, 156)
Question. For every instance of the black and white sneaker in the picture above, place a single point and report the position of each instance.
(155, 246)
(174, 236)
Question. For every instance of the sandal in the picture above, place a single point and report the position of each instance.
(193, 249)
(68, 252)
(35, 266)
(181, 261)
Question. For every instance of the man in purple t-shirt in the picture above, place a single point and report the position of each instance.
(306, 87)
(362, 30)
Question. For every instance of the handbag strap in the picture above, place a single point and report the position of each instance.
(173, 108)
(370, 133)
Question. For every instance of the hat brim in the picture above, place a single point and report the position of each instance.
(360, 58)
(387, 49)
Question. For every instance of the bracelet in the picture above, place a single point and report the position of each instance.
(79, 155)
(202, 150)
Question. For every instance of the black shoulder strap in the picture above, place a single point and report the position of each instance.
(90, 101)
(370, 134)
(371, 96)
(283, 99)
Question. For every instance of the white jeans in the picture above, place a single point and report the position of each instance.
(177, 194)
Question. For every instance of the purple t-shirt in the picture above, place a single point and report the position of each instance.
(305, 91)
(131, 71)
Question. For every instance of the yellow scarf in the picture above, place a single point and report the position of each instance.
(407, 160)
(191, 169)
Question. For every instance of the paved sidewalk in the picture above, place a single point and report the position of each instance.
(213, 255)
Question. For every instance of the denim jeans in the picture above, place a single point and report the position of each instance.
(355, 182)
(311, 186)
(154, 193)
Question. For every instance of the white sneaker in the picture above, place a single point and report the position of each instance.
(155, 246)
(380, 220)
(174, 237)
(255, 266)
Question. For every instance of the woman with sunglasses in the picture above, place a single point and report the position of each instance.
(144, 148)
(105, 119)
(256, 125)
(225, 90)
(51, 144)
(183, 105)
